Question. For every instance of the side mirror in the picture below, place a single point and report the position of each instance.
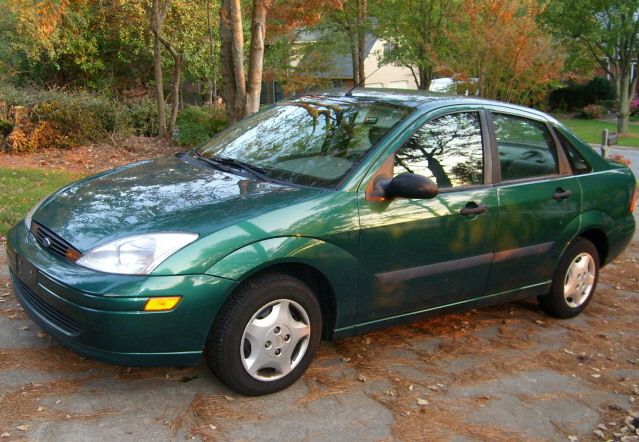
(407, 185)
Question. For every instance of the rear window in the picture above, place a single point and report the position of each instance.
(577, 162)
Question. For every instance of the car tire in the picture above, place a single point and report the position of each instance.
(574, 282)
(265, 335)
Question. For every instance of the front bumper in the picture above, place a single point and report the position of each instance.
(101, 316)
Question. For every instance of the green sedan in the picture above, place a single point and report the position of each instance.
(324, 216)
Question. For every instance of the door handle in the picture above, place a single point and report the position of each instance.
(482, 208)
(561, 194)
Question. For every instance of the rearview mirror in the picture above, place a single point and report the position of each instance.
(407, 185)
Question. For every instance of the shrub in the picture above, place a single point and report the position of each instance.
(5, 128)
(576, 96)
(592, 111)
(195, 125)
(144, 117)
(34, 119)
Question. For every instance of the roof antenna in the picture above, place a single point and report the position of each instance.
(350, 91)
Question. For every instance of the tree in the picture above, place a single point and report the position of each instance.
(159, 11)
(418, 34)
(501, 51)
(608, 30)
(353, 21)
(303, 37)
(241, 92)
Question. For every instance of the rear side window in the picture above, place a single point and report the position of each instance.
(577, 161)
(526, 148)
(447, 149)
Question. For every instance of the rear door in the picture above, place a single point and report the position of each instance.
(539, 204)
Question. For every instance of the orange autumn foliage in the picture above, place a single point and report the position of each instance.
(507, 52)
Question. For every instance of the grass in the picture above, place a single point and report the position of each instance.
(590, 130)
(21, 189)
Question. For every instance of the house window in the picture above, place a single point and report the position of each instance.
(390, 51)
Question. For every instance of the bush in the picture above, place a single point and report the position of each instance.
(34, 119)
(195, 125)
(592, 112)
(577, 96)
(144, 117)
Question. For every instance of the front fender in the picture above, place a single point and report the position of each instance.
(336, 264)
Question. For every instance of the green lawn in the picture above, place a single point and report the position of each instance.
(590, 130)
(21, 189)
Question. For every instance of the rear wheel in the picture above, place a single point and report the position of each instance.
(265, 335)
(574, 282)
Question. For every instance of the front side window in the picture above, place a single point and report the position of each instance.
(447, 149)
(526, 148)
(309, 141)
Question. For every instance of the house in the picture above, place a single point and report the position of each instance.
(341, 72)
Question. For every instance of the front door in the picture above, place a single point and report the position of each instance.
(420, 254)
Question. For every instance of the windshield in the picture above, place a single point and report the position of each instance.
(310, 141)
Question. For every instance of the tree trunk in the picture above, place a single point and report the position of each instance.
(354, 57)
(159, 11)
(256, 56)
(175, 90)
(362, 12)
(626, 84)
(242, 99)
(211, 83)
(159, 87)
(232, 55)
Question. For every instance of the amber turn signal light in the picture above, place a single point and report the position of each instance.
(162, 304)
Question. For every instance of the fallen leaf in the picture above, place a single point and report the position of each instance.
(23, 428)
(24, 327)
(422, 402)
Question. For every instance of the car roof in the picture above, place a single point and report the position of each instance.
(416, 98)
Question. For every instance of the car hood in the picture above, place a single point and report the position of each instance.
(166, 194)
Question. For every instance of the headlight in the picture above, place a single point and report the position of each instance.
(135, 255)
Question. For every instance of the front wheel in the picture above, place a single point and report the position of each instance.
(574, 282)
(265, 335)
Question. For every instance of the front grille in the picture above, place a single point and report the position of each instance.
(54, 243)
(44, 310)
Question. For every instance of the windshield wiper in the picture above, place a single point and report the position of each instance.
(231, 164)
(218, 165)
(242, 166)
